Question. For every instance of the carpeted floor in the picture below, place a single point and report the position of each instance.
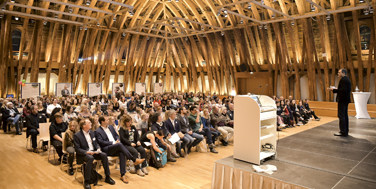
(315, 158)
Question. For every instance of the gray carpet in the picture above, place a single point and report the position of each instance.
(315, 158)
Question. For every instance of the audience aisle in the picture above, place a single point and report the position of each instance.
(22, 169)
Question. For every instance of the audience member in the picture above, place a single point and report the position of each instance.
(68, 144)
(11, 115)
(56, 128)
(52, 106)
(218, 122)
(173, 127)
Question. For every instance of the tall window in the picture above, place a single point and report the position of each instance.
(16, 40)
(365, 37)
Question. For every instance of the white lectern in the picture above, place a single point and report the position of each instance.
(360, 100)
(255, 121)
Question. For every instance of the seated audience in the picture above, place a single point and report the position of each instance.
(27, 109)
(109, 142)
(32, 123)
(84, 112)
(131, 140)
(69, 114)
(155, 138)
(193, 138)
(94, 122)
(158, 124)
(143, 123)
(207, 124)
(218, 122)
(41, 109)
(87, 149)
(309, 110)
(228, 121)
(56, 128)
(196, 123)
(55, 111)
(173, 127)
(11, 115)
(68, 144)
(52, 106)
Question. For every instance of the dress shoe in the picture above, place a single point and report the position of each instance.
(175, 155)
(87, 185)
(70, 171)
(19, 133)
(341, 134)
(109, 180)
(181, 154)
(278, 129)
(124, 179)
(212, 150)
(100, 177)
(224, 143)
(189, 151)
(138, 161)
(140, 173)
(35, 150)
(145, 171)
(171, 159)
(318, 119)
(212, 145)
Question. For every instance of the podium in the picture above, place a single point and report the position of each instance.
(255, 122)
(360, 101)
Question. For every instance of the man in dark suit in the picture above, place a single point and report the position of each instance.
(32, 123)
(343, 99)
(173, 127)
(65, 92)
(192, 138)
(110, 143)
(87, 149)
(130, 102)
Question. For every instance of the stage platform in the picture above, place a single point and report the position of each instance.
(311, 159)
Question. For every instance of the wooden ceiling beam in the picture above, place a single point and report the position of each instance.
(79, 6)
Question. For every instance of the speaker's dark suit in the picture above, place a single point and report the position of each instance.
(343, 99)
(81, 146)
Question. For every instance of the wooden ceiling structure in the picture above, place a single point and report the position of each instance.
(185, 39)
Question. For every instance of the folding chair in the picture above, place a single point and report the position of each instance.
(44, 134)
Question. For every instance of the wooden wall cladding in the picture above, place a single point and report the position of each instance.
(313, 47)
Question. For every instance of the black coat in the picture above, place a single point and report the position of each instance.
(124, 136)
(81, 146)
(184, 126)
(343, 91)
(6, 113)
(171, 127)
(32, 124)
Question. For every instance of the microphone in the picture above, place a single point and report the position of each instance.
(255, 89)
(262, 91)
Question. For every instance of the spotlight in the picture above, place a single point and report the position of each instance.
(274, 1)
(81, 28)
(366, 12)
(313, 8)
(3, 8)
(241, 21)
(178, 23)
(56, 16)
(123, 34)
(88, 2)
(98, 24)
(328, 17)
(85, 28)
(265, 26)
(148, 38)
(218, 13)
(1, 16)
(169, 0)
(131, 13)
(154, 27)
(62, 26)
(202, 28)
(16, 18)
(361, 1)
(32, 21)
(370, 10)
(225, 11)
(249, 6)
(114, 19)
(260, 27)
(225, 15)
(177, 1)
(12, 1)
(262, 2)
(222, 33)
(70, 10)
(172, 22)
(273, 15)
(293, 23)
(186, 39)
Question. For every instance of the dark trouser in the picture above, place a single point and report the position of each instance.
(296, 116)
(33, 134)
(313, 113)
(58, 147)
(206, 132)
(185, 142)
(343, 118)
(70, 150)
(286, 119)
(215, 134)
(119, 150)
(178, 147)
(134, 151)
(304, 115)
(89, 159)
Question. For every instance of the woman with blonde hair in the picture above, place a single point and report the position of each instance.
(68, 143)
(130, 138)
(94, 122)
(84, 112)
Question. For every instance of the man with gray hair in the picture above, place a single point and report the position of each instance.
(11, 115)
(343, 98)
(218, 122)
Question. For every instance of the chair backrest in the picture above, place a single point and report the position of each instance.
(20, 110)
(44, 131)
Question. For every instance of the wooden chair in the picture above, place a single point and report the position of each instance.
(44, 134)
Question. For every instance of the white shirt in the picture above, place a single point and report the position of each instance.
(173, 122)
(51, 107)
(88, 140)
(109, 134)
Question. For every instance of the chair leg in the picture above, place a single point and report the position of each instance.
(82, 171)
